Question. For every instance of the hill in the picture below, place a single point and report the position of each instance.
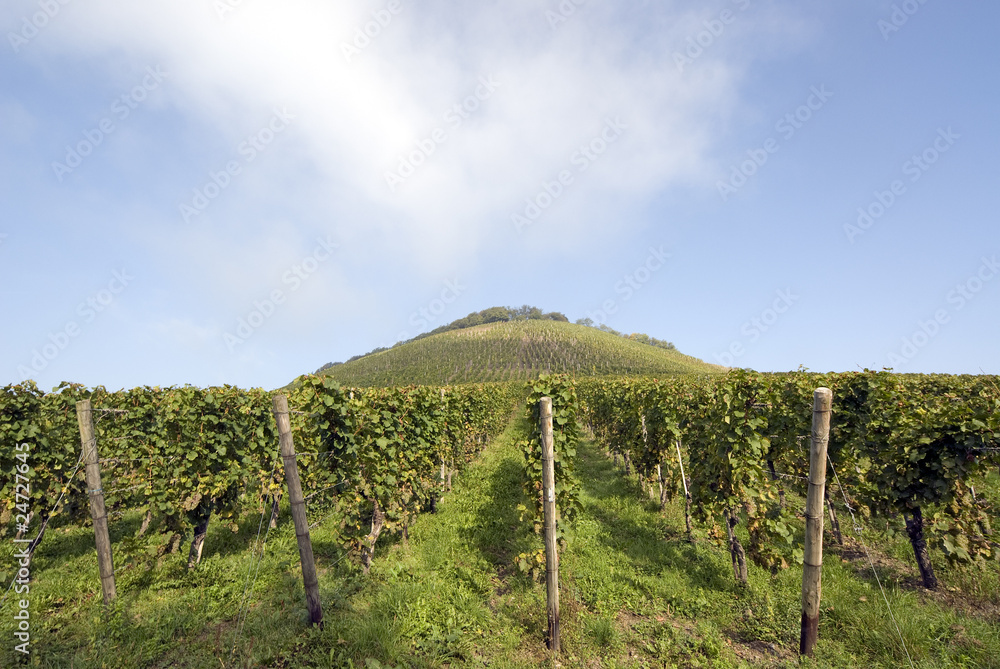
(510, 351)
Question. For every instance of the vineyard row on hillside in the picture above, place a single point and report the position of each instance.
(185, 455)
(921, 447)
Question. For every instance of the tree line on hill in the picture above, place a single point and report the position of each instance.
(507, 314)
(635, 336)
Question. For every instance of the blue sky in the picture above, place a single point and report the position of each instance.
(224, 191)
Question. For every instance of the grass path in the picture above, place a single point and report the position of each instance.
(630, 597)
(635, 593)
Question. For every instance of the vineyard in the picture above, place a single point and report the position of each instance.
(513, 351)
(184, 456)
(912, 447)
(725, 456)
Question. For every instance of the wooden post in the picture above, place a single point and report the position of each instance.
(813, 559)
(444, 476)
(645, 443)
(298, 509)
(687, 494)
(105, 561)
(549, 507)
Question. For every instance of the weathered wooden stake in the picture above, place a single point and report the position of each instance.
(813, 559)
(105, 561)
(309, 578)
(442, 450)
(687, 494)
(549, 507)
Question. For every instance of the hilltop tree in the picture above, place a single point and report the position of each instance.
(495, 314)
(526, 312)
(472, 320)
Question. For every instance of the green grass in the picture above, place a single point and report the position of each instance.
(513, 351)
(634, 593)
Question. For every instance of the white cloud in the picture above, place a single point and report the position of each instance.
(354, 120)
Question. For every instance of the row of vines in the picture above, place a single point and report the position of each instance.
(183, 455)
(915, 447)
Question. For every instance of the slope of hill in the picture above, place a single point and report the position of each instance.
(514, 350)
